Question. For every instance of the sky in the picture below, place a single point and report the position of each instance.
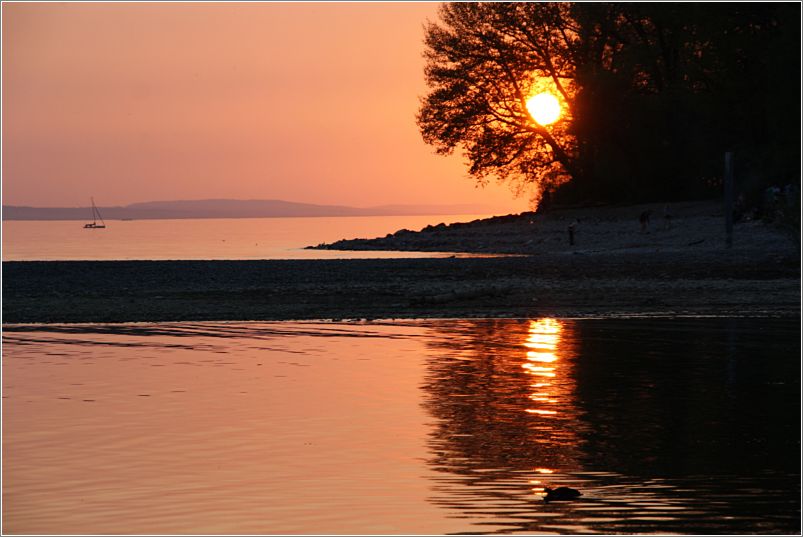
(307, 102)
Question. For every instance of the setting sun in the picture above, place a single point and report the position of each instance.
(544, 108)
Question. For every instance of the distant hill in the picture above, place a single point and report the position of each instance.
(223, 208)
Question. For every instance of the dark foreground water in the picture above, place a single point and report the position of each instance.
(665, 425)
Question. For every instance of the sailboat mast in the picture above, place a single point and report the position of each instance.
(97, 212)
(95, 216)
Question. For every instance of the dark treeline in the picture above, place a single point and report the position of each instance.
(654, 94)
(694, 81)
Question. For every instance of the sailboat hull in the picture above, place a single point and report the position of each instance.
(95, 217)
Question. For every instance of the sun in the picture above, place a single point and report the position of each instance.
(544, 108)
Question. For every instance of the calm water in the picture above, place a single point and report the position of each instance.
(234, 238)
(685, 425)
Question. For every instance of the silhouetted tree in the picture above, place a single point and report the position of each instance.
(483, 62)
(653, 94)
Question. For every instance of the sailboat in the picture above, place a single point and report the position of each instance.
(95, 217)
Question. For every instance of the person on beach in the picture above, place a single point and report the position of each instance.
(572, 227)
(644, 220)
(667, 218)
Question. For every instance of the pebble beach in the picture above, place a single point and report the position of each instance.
(615, 268)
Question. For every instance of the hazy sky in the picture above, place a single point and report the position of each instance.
(298, 101)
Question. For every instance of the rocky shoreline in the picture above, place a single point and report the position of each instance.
(690, 229)
(612, 270)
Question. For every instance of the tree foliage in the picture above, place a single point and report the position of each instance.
(652, 94)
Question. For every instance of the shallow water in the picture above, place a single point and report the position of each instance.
(449, 426)
(221, 238)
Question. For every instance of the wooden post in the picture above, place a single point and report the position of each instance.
(728, 199)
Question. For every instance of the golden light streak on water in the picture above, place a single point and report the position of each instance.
(541, 411)
(541, 356)
(535, 340)
(543, 334)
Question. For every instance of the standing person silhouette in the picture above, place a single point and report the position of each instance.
(644, 220)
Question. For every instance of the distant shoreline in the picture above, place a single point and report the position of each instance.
(223, 208)
(127, 219)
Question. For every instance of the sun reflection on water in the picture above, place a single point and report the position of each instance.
(504, 397)
(549, 400)
(520, 405)
(544, 335)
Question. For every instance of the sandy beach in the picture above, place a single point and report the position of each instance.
(613, 269)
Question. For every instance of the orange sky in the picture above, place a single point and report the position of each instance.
(298, 101)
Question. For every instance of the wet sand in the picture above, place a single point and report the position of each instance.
(613, 269)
